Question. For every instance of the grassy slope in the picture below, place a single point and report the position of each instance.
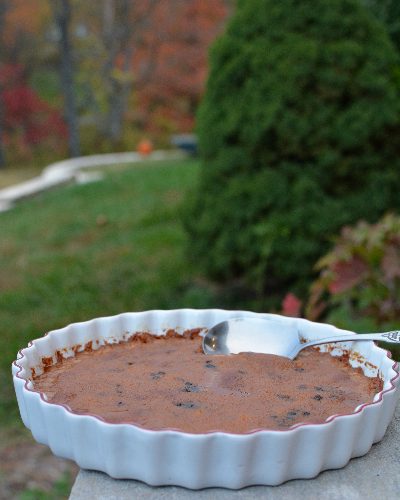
(11, 176)
(92, 250)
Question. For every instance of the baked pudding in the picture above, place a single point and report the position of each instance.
(187, 419)
(166, 381)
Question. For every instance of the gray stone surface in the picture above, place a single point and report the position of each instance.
(374, 476)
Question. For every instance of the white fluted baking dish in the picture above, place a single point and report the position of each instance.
(170, 457)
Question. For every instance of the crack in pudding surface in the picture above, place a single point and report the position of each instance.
(167, 382)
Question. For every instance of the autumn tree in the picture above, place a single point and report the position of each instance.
(107, 57)
(123, 66)
(124, 24)
(146, 61)
(177, 44)
(27, 121)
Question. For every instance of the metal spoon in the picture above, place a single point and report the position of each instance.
(269, 336)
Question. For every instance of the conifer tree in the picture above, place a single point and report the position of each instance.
(299, 134)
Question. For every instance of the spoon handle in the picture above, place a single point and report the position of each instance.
(392, 337)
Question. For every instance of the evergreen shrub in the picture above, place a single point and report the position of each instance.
(299, 134)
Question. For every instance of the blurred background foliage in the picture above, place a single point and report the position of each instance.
(298, 128)
(299, 133)
(107, 75)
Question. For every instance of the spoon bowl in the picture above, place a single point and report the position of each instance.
(270, 336)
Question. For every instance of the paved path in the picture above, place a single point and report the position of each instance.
(376, 475)
(74, 170)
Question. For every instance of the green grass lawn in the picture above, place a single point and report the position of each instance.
(93, 250)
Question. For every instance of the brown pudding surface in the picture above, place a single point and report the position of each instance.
(167, 382)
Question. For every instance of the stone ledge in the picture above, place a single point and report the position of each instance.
(376, 475)
(74, 170)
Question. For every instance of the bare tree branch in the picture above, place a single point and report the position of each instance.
(3, 10)
(123, 27)
(62, 16)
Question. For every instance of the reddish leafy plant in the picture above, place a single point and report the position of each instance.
(291, 305)
(360, 277)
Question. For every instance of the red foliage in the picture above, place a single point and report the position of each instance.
(361, 274)
(176, 47)
(291, 305)
(25, 112)
(390, 264)
(347, 274)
